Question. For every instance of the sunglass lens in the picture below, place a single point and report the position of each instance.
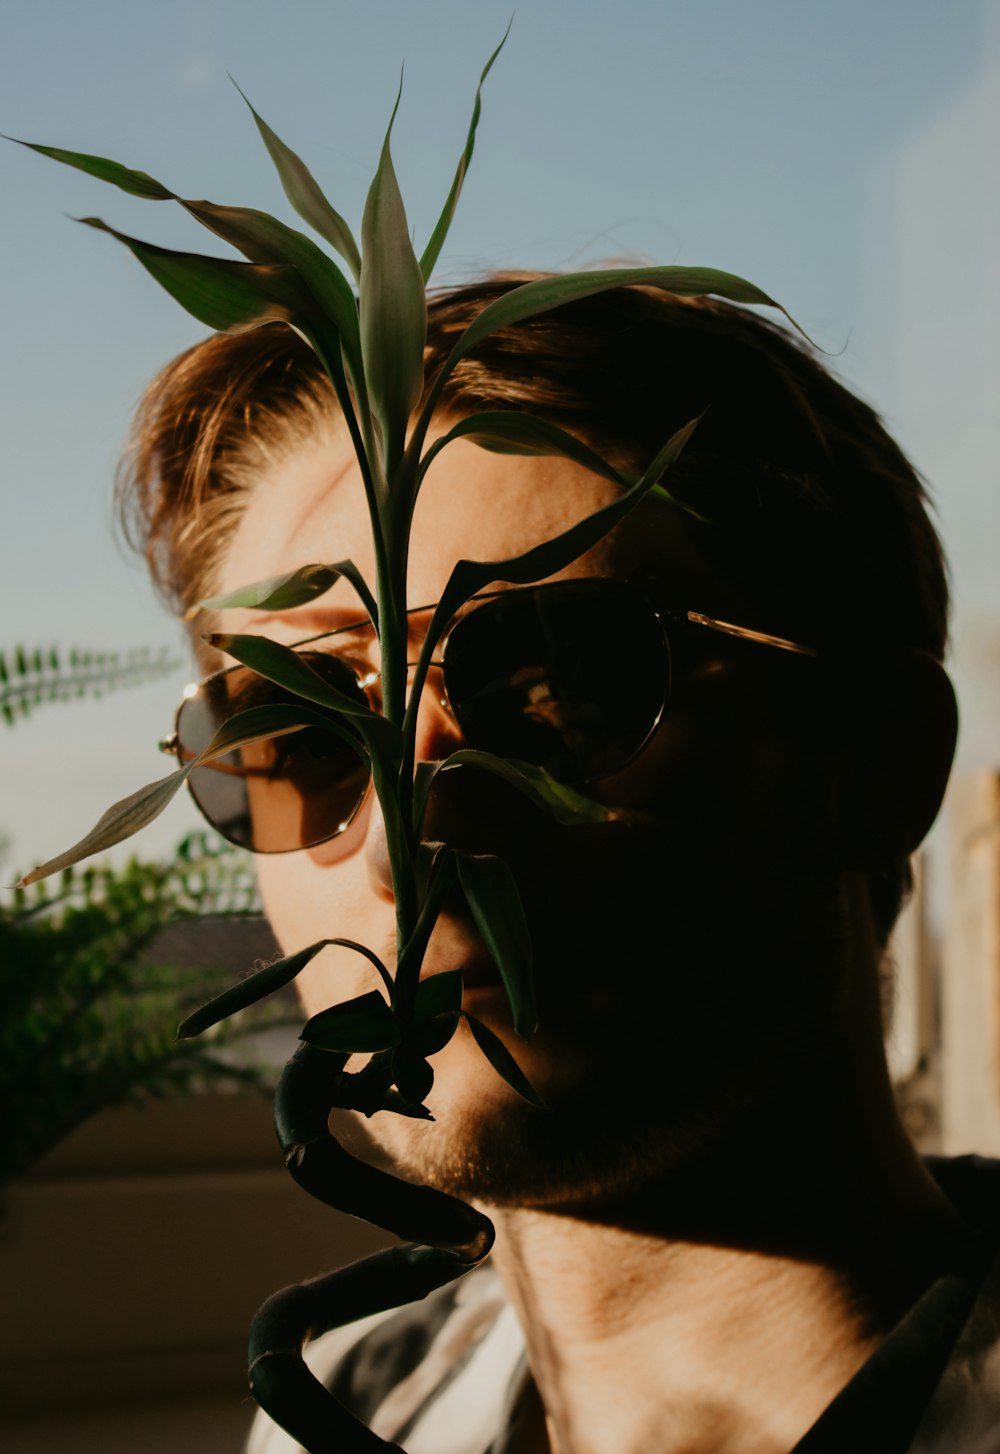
(570, 676)
(280, 793)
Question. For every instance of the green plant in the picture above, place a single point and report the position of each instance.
(371, 343)
(28, 678)
(88, 1011)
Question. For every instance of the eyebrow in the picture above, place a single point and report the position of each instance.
(326, 616)
(330, 620)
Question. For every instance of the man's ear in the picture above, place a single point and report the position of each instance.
(903, 730)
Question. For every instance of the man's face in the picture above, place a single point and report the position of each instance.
(667, 946)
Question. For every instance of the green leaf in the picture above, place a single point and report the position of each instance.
(120, 821)
(130, 814)
(248, 991)
(362, 1024)
(426, 860)
(328, 313)
(283, 665)
(510, 431)
(442, 876)
(433, 1035)
(431, 252)
(277, 593)
(265, 982)
(557, 799)
(495, 900)
(545, 294)
(438, 994)
(393, 1101)
(424, 773)
(393, 306)
(281, 593)
(264, 239)
(276, 719)
(437, 1007)
(368, 954)
(411, 1073)
(305, 195)
(138, 184)
(286, 667)
(503, 1062)
(531, 299)
(228, 296)
(470, 576)
(555, 554)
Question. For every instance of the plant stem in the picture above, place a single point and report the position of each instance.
(392, 790)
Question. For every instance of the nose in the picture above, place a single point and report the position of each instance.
(467, 808)
(437, 731)
(437, 735)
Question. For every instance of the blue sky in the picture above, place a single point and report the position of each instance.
(834, 153)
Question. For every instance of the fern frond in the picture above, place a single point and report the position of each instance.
(91, 995)
(30, 678)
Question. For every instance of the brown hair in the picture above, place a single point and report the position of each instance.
(206, 429)
(814, 509)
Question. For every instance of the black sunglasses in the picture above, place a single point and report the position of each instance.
(573, 676)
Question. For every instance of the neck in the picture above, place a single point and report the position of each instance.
(722, 1307)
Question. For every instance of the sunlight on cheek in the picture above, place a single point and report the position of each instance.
(306, 902)
(333, 976)
(347, 843)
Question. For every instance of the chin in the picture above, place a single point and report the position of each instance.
(603, 1137)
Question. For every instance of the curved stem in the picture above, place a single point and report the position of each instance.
(311, 1085)
(447, 1237)
(394, 635)
(279, 1379)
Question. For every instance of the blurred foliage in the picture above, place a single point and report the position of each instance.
(89, 1011)
(28, 678)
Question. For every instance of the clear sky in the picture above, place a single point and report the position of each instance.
(839, 154)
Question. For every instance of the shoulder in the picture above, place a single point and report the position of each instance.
(972, 1184)
(406, 1371)
(964, 1408)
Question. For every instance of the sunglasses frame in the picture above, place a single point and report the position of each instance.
(665, 617)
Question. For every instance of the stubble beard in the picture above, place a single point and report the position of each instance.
(604, 1138)
(631, 1103)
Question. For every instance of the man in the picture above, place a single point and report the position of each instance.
(718, 1237)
